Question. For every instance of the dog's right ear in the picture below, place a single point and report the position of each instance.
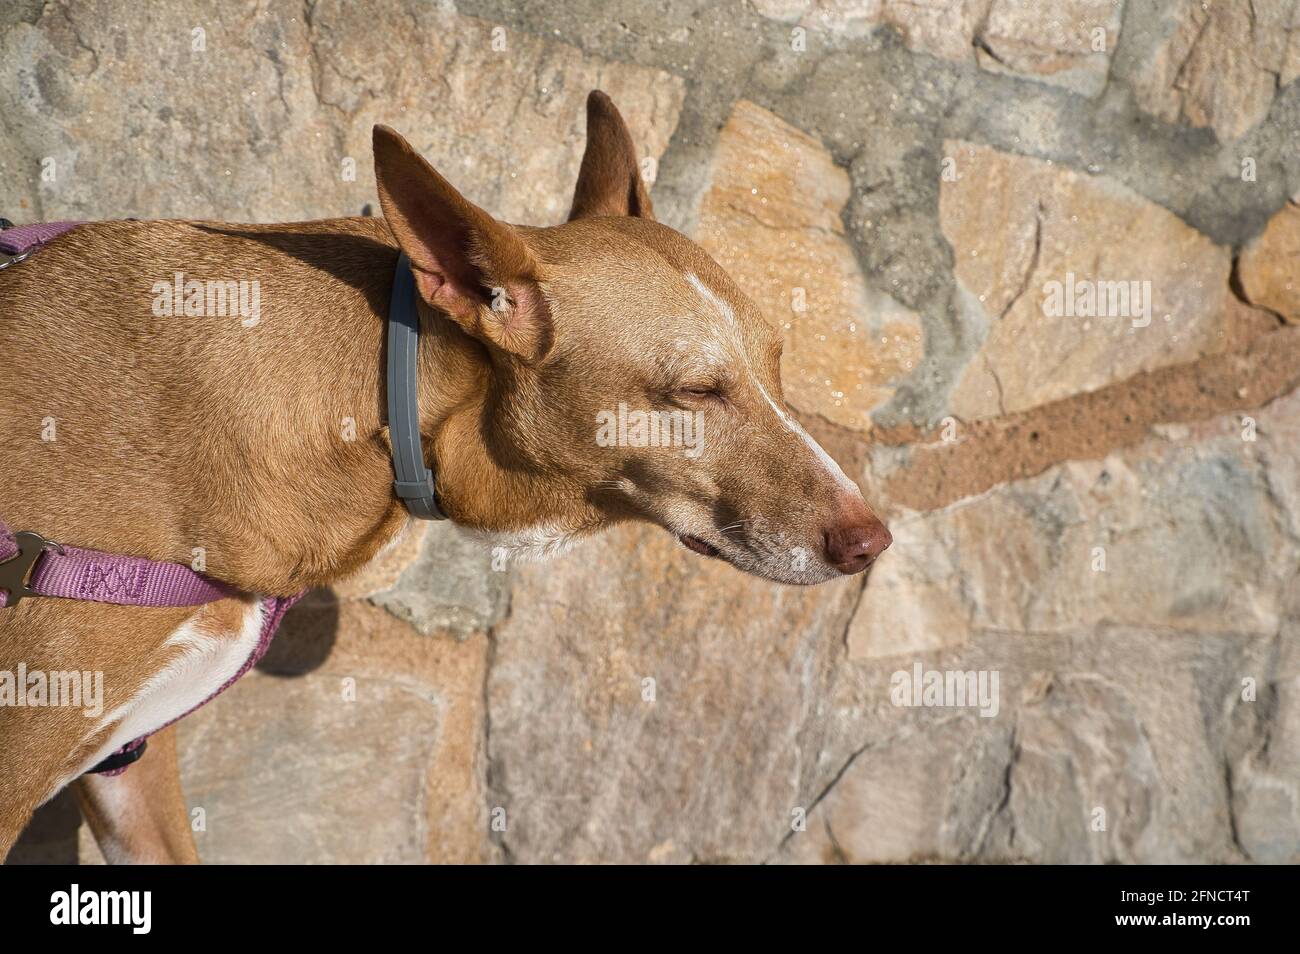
(466, 263)
(609, 182)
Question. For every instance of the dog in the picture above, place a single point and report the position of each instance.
(174, 436)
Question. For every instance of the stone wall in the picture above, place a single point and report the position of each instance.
(1102, 509)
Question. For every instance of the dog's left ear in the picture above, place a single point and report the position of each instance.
(609, 182)
(475, 269)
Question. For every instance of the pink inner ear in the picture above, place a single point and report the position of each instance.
(429, 283)
(439, 290)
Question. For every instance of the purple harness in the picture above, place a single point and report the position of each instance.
(30, 565)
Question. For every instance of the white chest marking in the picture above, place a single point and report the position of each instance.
(203, 665)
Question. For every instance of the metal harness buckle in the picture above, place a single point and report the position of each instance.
(14, 259)
(8, 260)
(15, 571)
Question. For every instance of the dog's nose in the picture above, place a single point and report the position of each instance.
(853, 549)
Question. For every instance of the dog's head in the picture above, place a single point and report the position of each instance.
(618, 373)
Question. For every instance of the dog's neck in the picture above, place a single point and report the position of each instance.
(479, 484)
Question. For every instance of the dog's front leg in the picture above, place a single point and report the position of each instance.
(140, 817)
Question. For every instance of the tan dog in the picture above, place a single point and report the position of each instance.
(181, 433)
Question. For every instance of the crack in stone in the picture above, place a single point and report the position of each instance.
(1237, 288)
(1234, 833)
(870, 744)
(857, 602)
(841, 857)
(997, 383)
(491, 777)
(986, 827)
(982, 44)
(491, 780)
(1257, 748)
(317, 70)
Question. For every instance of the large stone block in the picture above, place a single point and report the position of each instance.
(771, 217)
(1269, 267)
(1065, 44)
(455, 583)
(1075, 281)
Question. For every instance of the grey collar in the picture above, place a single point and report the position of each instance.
(414, 482)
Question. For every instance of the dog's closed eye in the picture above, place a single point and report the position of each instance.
(700, 392)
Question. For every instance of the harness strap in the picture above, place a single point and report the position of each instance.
(123, 758)
(273, 610)
(30, 565)
(19, 241)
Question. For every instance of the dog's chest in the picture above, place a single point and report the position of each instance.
(200, 658)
